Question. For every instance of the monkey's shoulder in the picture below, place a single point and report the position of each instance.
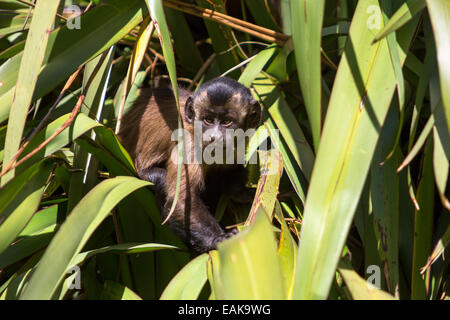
(163, 97)
(155, 108)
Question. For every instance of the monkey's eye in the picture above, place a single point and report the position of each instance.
(227, 123)
(208, 121)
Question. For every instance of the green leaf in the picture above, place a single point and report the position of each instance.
(185, 48)
(287, 253)
(126, 248)
(108, 150)
(420, 141)
(359, 288)
(361, 95)
(293, 135)
(403, 15)
(292, 144)
(423, 226)
(441, 156)
(43, 221)
(188, 282)
(13, 21)
(439, 248)
(439, 11)
(307, 19)
(74, 233)
(20, 198)
(285, 13)
(68, 49)
(12, 4)
(293, 172)
(428, 68)
(158, 16)
(157, 12)
(391, 38)
(266, 193)
(384, 188)
(263, 15)
(256, 65)
(80, 125)
(83, 180)
(30, 66)
(117, 291)
(221, 38)
(24, 248)
(240, 274)
(441, 141)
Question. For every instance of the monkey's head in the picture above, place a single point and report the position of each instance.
(222, 105)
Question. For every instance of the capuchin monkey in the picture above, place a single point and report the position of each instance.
(148, 132)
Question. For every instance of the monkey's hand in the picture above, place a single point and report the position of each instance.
(213, 241)
(224, 236)
(195, 225)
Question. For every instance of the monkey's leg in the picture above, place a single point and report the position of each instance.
(191, 219)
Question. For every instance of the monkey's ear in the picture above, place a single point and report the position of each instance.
(253, 118)
(189, 113)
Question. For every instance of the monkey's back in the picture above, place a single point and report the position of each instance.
(146, 129)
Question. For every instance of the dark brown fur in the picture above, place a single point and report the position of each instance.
(146, 132)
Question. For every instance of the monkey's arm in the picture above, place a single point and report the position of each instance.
(191, 219)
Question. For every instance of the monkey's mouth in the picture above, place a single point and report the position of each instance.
(220, 145)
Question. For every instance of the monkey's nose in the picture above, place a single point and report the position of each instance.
(215, 137)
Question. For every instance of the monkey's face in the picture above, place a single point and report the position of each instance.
(221, 107)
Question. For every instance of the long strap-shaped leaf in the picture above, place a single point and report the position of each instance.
(74, 233)
(19, 199)
(307, 35)
(30, 66)
(157, 12)
(244, 270)
(68, 49)
(359, 288)
(401, 16)
(440, 20)
(188, 282)
(359, 102)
